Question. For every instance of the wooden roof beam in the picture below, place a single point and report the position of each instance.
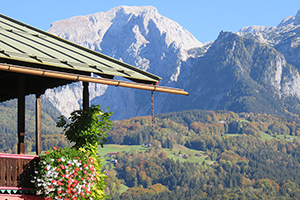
(84, 78)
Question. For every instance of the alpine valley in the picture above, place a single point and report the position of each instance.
(236, 136)
(254, 70)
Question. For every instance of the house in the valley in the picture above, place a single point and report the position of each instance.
(148, 144)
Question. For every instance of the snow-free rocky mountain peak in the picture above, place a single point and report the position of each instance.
(253, 70)
(139, 36)
(268, 34)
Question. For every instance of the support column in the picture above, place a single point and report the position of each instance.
(38, 124)
(85, 100)
(21, 114)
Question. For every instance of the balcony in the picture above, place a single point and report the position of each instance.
(15, 176)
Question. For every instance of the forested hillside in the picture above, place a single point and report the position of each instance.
(187, 127)
(51, 136)
(249, 156)
(243, 155)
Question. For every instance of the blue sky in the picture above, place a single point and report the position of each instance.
(203, 18)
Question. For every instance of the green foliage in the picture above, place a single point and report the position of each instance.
(70, 173)
(247, 168)
(245, 160)
(76, 172)
(98, 189)
(250, 156)
(187, 117)
(87, 126)
(51, 135)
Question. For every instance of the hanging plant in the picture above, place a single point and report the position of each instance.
(86, 126)
(75, 173)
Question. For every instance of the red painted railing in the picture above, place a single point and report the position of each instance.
(19, 197)
(15, 176)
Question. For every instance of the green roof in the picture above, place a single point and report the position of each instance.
(23, 43)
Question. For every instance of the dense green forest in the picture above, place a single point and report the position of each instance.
(51, 135)
(257, 175)
(247, 155)
(250, 156)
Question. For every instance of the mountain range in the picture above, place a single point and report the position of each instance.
(253, 70)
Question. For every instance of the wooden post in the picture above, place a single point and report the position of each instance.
(85, 100)
(38, 125)
(21, 114)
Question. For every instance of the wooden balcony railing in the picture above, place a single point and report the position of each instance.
(16, 172)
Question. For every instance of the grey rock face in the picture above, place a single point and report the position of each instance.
(254, 70)
(139, 36)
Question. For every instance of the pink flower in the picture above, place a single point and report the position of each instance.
(47, 152)
(54, 148)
